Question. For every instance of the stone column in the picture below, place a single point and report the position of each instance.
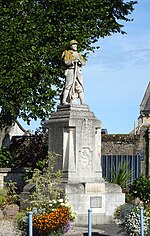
(75, 134)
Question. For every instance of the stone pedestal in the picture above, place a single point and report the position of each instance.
(102, 198)
(75, 134)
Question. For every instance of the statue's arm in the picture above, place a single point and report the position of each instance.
(82, 60)
(67, 58)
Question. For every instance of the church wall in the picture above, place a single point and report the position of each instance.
(118, 144)
(129, 144)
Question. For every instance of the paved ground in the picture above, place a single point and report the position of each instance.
(98, 230)
(110, 230)
(7, 229)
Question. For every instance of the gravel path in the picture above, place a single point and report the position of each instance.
(7, 228)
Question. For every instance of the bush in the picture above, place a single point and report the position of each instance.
(19, 223)
(141, 188)
(47, 183)
(127, 217)
(132, 223)
(5, 157)
(12, 196)
(28, 150)
(8, 194)
(3, 195)
(121, 176)
(25, 151)
(122, 211)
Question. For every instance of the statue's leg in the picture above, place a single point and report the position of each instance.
(79, 87)
(65, 95)
(68, 84)
(81, 96)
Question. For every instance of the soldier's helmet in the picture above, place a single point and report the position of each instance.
(73, 42)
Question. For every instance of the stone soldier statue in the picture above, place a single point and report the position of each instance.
(73, 62)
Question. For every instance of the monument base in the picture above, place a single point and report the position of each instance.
(103, 198)
(75, 134)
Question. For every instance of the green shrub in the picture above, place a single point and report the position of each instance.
(132, 224)
(28, 151)
(3, 195)
(8, 194)
(12, 196)
(123, 210)
(121, 176)
(141, 188)
(47, 183)
(19, 223)
(5, 157)
(148, 232)
(127, 217)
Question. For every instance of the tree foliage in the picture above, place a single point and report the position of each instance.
(29, 151)
(5, 157)
(33, 35)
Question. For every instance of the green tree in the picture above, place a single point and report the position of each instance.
(33, 35)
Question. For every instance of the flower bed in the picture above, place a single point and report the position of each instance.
(54, 219)
(52, 222)
(127, 217)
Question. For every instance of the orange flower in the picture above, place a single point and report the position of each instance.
(53, 221)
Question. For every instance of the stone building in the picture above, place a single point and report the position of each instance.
(143, 132)
(133, 147)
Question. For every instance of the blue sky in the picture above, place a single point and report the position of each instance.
(116, 76)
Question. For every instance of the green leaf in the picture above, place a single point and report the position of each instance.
(33, 36)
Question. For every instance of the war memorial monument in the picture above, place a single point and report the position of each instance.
(75, 134)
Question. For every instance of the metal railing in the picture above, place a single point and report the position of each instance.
(110, 162)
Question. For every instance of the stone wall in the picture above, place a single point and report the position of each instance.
(118, 144)
(130, 144)
(14, 174)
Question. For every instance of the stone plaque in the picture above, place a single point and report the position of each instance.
(95, 188)
(96, 202)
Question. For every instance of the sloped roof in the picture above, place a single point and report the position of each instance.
(145, 104)
(20, 126)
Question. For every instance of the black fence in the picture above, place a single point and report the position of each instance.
(112, 162)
